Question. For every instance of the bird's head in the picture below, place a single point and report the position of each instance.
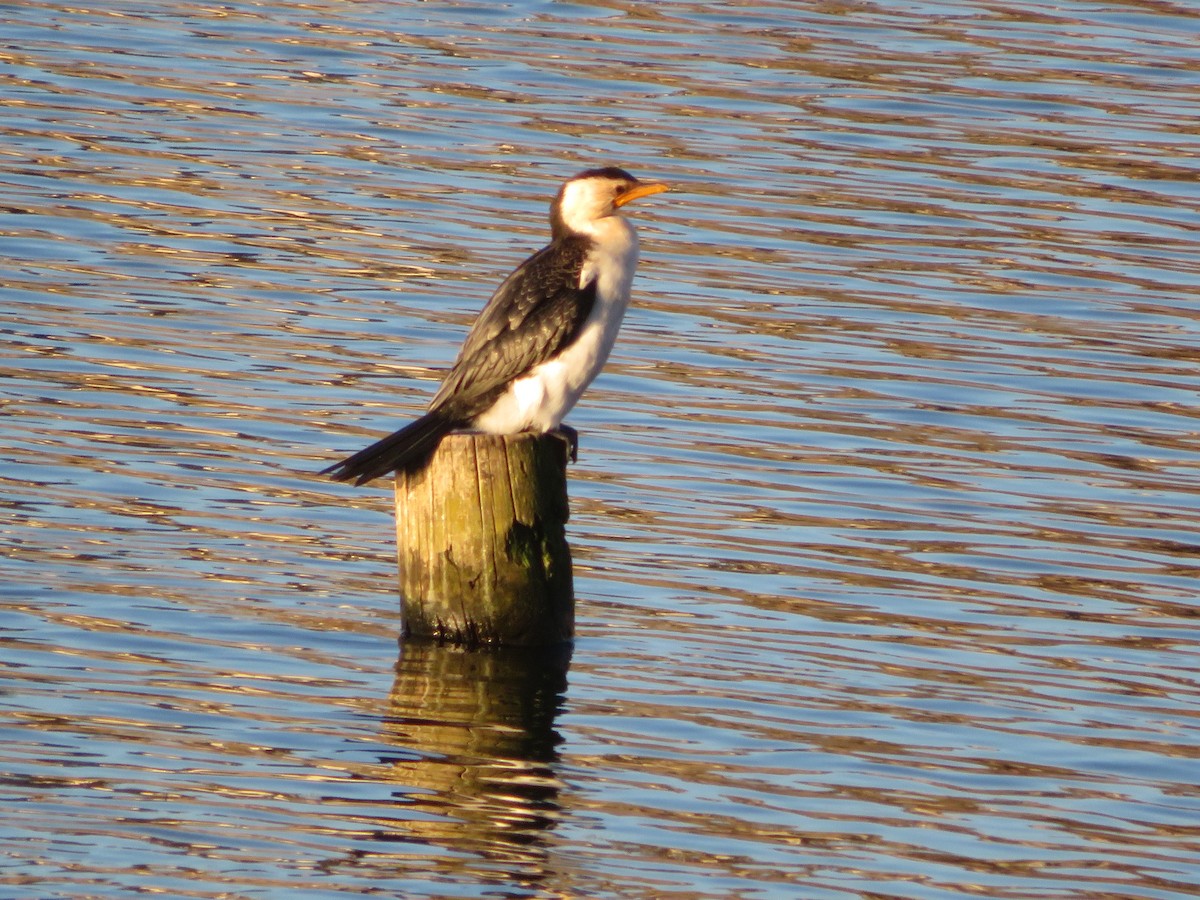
(593, 195)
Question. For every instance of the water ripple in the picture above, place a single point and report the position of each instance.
(884, 522)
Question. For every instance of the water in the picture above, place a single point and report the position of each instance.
(885, 518)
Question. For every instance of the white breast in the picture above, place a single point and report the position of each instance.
(541, 399)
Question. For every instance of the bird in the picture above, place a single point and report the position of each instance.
(540, 340)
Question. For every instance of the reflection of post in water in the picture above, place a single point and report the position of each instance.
(477, 731)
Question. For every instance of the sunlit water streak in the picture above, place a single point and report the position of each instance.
(885, 518)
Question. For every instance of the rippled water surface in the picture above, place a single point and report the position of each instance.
(885, 520)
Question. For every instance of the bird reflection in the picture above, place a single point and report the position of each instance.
(476, 731)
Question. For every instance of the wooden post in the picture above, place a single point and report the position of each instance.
(481, 540)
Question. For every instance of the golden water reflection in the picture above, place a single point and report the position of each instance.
(885, 516)
(476, 747)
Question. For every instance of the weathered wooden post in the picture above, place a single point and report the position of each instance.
(481, 541)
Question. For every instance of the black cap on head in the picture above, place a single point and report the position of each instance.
(616, 174)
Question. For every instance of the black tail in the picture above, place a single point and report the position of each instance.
(403, 449)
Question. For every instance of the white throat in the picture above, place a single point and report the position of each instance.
(584, 203)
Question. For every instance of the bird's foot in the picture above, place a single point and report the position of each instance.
(570, 436)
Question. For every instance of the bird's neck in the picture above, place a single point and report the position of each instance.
(612, 259)
(613, 235)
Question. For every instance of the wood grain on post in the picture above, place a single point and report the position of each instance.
(481, 539)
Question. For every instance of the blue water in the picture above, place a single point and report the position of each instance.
(885, 518)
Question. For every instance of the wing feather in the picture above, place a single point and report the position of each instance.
(534, 313)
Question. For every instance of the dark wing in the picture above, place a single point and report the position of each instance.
(536, 311)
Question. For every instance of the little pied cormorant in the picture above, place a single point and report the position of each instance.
(543, 336)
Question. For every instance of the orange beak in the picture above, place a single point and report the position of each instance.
(642, 189)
